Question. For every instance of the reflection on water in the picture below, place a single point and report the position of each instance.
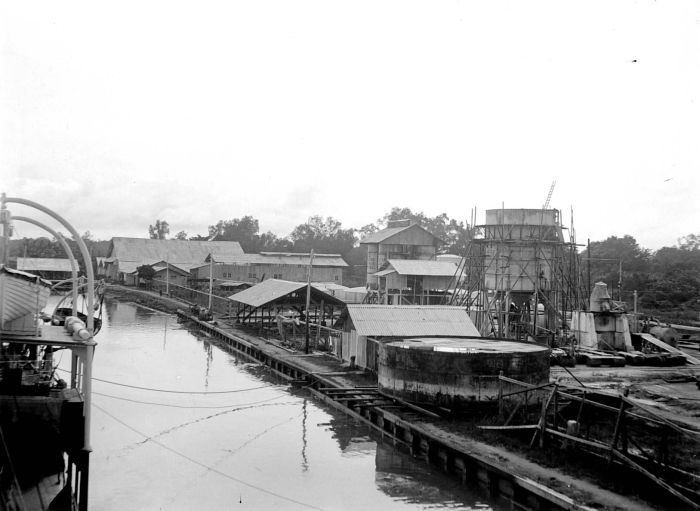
(227, 433)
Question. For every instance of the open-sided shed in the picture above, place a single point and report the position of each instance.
(264, 302)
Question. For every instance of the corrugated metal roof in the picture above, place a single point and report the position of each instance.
(281, 258)
(411, 320)
(380, 236)
(273, 289)
(387, 233)
(182, 253)
(292, 258)
(423, 267)
(43, 264)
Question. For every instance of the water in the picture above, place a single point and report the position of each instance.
(264, 446)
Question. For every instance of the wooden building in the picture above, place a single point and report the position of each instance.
(406, 282)
(51, 269)
(365, 326)
(289, 266)
(402, 239)
(127, 254)
(164, 273)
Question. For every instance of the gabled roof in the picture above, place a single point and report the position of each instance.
(42, 264)
(274, 289)
(411, 320)
(387, 233)
(422, 267)
(301, 258)
(182, 253)
(281, 258)
(162, 265)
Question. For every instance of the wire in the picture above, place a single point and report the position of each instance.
(199, 463)
(181, 406)
(176, 391)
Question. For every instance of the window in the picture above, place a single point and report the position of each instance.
(336, 277)
(277, 276)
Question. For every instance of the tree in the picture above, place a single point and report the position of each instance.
(690, 242)
(159, 231)
(675, 276)
(323, 236)
(609, 255)
(146, 272)
(182, 235)
(243, 230)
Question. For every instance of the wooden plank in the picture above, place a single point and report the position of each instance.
(412, 406)
(523, 426)
(541, 424)
(530, 389)
(590, 443)
(660, 482)
(656, 417)
(667, 347)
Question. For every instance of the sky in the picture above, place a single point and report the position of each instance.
(117, 114)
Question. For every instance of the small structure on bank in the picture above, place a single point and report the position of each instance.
(52, 269)
(366, 326)
(275, 306)
(165, 274)
(409, 281)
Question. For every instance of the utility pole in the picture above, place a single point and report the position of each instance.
(211, 277)
(308, 300)
(167, 269)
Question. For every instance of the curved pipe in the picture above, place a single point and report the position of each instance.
(66, 248)
(81, 245)
(87, 365)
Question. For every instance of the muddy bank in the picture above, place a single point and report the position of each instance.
(149, 299)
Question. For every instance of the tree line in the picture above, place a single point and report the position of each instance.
(667, 279)
(324, 235)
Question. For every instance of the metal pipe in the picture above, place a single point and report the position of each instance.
(81, 245)
(66, 248)
(87, 382)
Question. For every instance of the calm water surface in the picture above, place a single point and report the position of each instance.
(257, 445)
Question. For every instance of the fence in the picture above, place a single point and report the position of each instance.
(613, 428)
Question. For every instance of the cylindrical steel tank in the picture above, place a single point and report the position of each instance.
(453, 372)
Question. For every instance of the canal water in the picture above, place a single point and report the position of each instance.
(228, 435)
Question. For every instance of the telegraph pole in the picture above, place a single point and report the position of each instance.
(308, 300)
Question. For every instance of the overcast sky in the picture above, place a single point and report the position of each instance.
(118, 114)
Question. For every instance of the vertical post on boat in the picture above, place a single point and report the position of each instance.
(5, 224)
(308, 299)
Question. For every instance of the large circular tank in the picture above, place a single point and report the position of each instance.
(452, 372)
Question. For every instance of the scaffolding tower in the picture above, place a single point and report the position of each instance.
(520, 276)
